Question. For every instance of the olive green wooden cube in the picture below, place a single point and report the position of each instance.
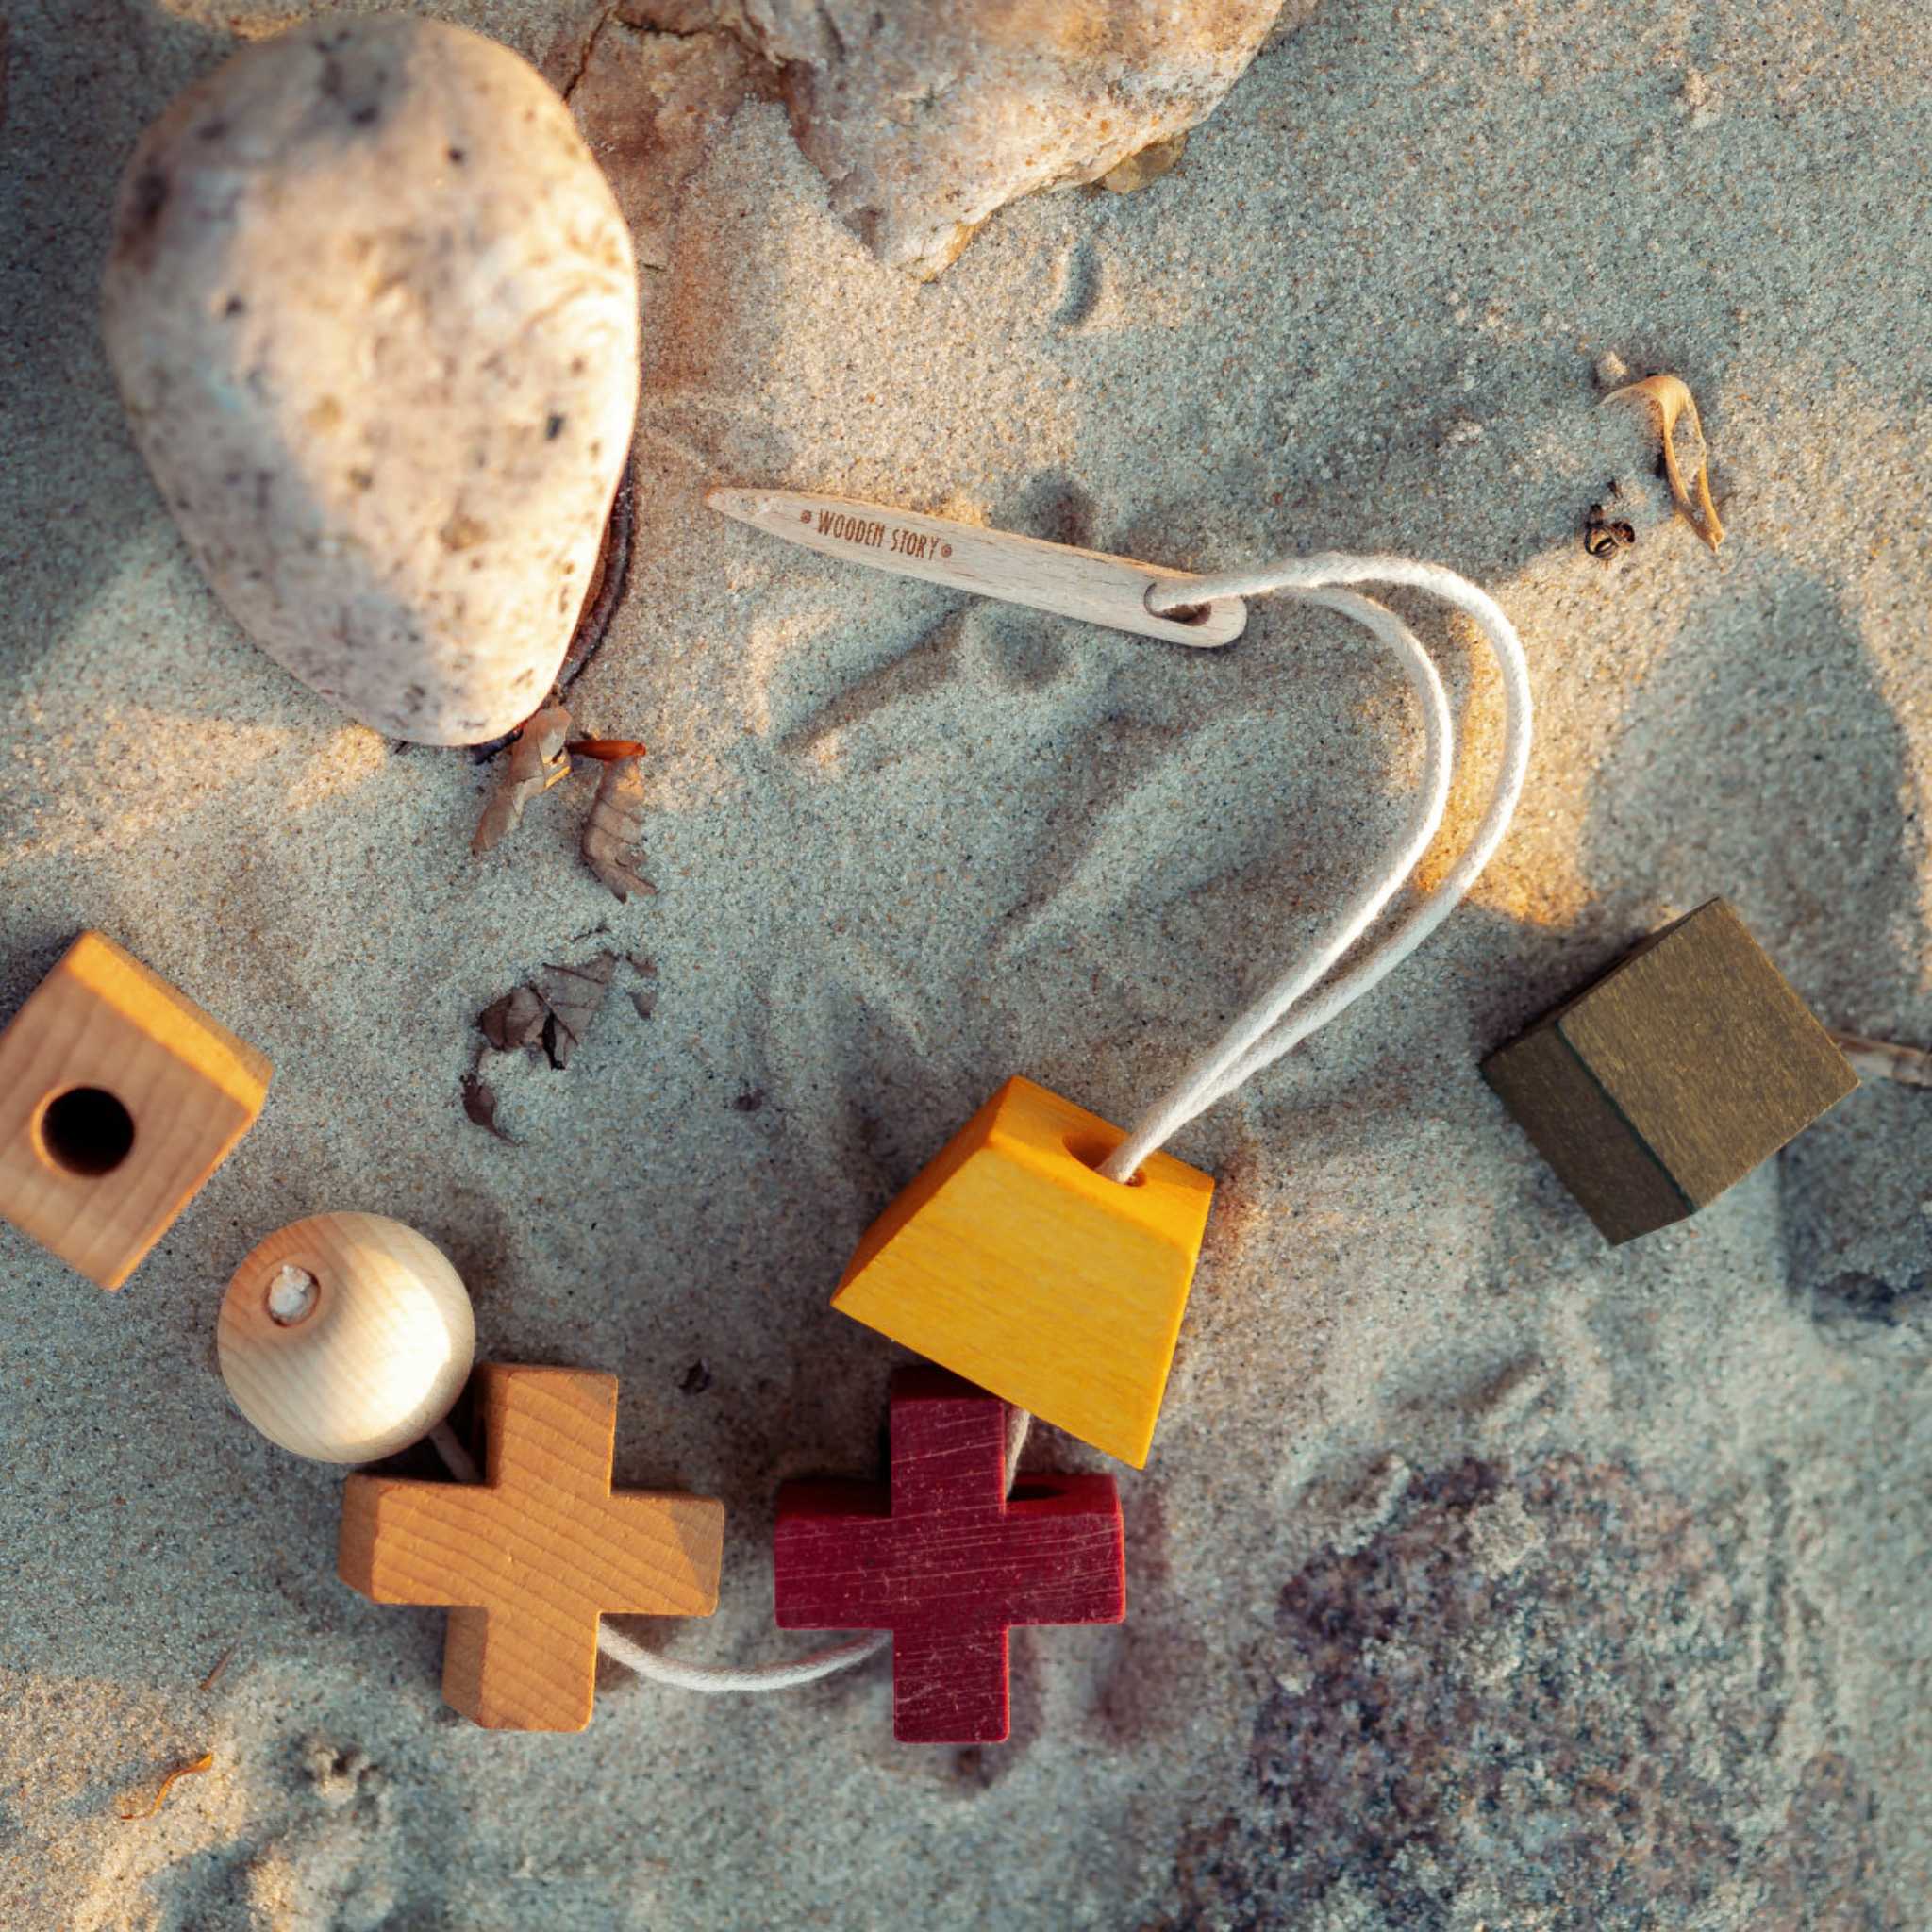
(1673, 1076)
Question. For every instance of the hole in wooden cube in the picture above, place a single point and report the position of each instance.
(86, 1132)
(1673, 1076)
(119, 1098)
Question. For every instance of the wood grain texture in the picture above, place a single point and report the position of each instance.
(528, 1558)
(380, 1355)
(103, 1033)
(1086, 585)
(1010, 1261)
(945, 1560)
(1669, 1079)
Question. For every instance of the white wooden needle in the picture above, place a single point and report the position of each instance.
(1087, 585)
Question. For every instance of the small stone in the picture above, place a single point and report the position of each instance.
(373, 311)
(1611, 369)
(926, 117)
(1503, 1536)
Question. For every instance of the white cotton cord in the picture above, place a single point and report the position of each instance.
(718, 1680)
(455, 1459)
(1272, 1025)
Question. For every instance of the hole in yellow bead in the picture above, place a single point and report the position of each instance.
(1090, 1150)
(86, 1132)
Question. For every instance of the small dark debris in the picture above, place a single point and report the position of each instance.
(750, 1100)
(552, 430)
(645, 1002)
(695, 1379)
(1605, 537)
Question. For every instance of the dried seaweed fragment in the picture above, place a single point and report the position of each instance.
(1884, 1059)
(1671, 400)
(576, 995)
(205, 1762)
(537, 761)
(613, 838)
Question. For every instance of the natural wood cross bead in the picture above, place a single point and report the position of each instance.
(119, 1098)
(1674, 1076)
(528, 1558)
(946, 1560)
(1010, 1261)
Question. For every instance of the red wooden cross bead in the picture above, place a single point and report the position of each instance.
(946, 1560)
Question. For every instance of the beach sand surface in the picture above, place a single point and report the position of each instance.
(1482, 1575)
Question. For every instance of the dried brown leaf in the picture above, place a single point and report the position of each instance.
(1670, 397)
(479, 1104)
(613, 839)
(516, 1020)
(574, 995)
(205, 1762)
(537, 761)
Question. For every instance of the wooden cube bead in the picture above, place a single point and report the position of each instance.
(1013, 1262)
(1673, 1076)
(346, 1336)
(119, 1098)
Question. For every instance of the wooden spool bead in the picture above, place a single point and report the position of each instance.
(346, 1336)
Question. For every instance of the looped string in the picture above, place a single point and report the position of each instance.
(1273, 1022)
(714, 1680)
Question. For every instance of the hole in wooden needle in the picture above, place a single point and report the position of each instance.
(1181, 613)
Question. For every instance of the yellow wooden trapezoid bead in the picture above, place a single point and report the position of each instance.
(1010, 1261)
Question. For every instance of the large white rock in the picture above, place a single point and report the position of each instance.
(925, 116)
(373, 313)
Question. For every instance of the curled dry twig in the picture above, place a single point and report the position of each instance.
(1670, 397)
(205, 1762)
(537, 761)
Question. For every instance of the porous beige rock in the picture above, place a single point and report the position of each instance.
(926, 116)
(372, 310)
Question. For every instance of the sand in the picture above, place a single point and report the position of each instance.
(1483, 1576)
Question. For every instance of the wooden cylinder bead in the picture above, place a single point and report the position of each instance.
(346, 1336)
